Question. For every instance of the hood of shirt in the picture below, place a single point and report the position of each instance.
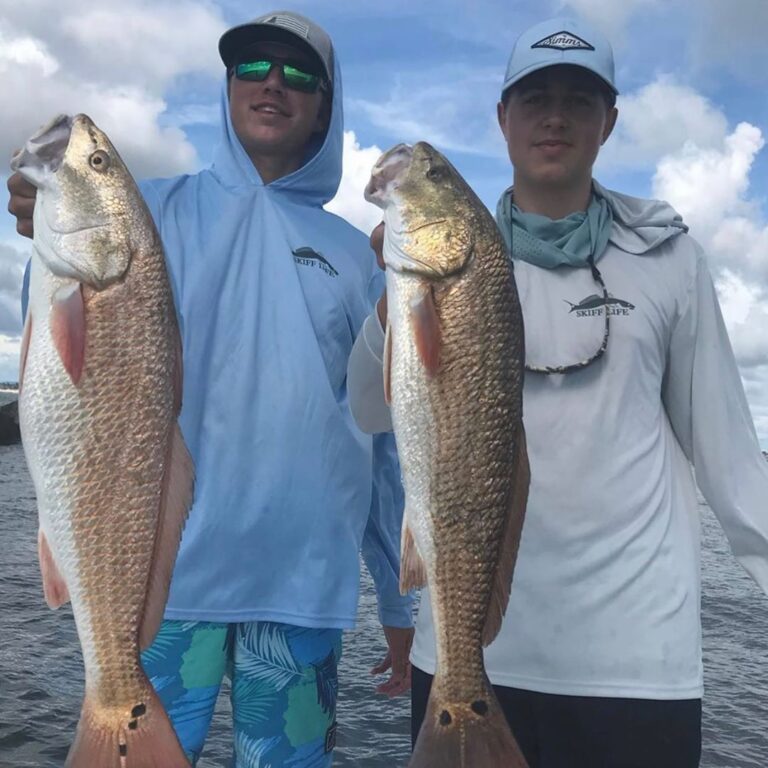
(317, 181)
(640, 225)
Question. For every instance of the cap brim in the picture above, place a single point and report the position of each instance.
(545, 65)
(236, 39)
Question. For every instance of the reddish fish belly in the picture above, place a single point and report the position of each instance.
(99, 441)
(454, 374)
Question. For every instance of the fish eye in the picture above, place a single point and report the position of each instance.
(435, 172)
(99, 161)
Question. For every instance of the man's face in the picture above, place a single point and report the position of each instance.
(271, 119)
(554, 122)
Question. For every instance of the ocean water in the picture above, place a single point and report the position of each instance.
(41, 667)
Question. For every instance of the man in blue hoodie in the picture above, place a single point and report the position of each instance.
(630, 380)
(271, 291)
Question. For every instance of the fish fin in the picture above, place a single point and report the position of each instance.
(178, 371)
(413, 574)
(68, 329)
(25, 339)
(146, 740)
(54, 586)
(178, 489)
(502, 581)
(426, 326)
(387, 364)
(467, 735)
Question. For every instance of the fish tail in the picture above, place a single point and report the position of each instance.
(466, 736)
(140, 738)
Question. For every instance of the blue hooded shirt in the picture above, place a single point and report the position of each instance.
(271, 291)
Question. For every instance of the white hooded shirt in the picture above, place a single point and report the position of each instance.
(605, 599)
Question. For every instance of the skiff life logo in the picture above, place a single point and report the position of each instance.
(309, 257)
(564, 41)
(593, 305)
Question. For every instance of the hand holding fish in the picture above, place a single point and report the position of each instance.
(22, 203)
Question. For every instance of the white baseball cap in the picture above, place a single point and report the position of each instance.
(561, 41)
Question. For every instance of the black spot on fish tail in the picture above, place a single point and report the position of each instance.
(133, 725)
(139, 710)
(445, 717)
(480, 707)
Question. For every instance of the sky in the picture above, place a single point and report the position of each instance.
(692, 129)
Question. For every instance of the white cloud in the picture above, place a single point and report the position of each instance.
(453, 109)
(129, 116)
(114, 61)
(709, 186)
(9, 358)
(25, 51)
(135, 42)
(608, 15)
(349, 202)
(657, 120)
(12, 262)
(745, 311)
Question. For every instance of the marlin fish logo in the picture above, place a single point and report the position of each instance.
(310, 257)
(594, 301)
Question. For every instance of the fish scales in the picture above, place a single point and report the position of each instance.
(467, 470)
(100, 389)
(454, 374)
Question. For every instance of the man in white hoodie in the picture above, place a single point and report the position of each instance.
(631, 379)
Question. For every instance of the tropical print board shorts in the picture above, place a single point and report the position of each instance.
(284, 688)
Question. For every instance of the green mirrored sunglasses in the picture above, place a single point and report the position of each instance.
(294, 77)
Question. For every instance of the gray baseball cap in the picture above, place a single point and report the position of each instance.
(561, 41)
(280, 27)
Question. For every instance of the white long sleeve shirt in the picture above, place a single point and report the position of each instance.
(606, 593)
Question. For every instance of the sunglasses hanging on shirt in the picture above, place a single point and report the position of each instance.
(551, 369)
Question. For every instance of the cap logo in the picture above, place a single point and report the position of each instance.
(564, 41)
(295, 26)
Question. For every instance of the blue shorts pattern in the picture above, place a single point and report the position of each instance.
(284, 688)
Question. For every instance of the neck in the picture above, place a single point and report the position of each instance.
(554, 204)
(271, 168)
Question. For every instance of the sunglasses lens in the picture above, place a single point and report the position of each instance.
(253, 70)
(300, 80)
(293, 77)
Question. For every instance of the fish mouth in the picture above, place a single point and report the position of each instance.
(387, 173)
(42, 156)
(44, 152)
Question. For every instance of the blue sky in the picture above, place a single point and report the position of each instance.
(692, 125)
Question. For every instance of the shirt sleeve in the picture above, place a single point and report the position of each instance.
(708, 409)
(365, 379)
(381, 540)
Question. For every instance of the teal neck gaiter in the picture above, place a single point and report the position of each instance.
(552, 243)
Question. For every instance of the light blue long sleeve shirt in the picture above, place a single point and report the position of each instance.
(271, 291)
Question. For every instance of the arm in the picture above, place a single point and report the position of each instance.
(705, 401)
(365, 377)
